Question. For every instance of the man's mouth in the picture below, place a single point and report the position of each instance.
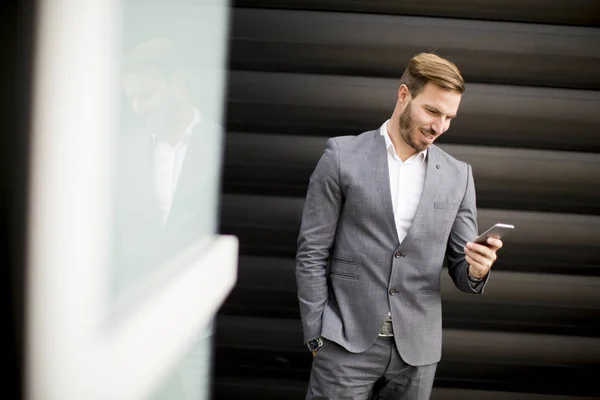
(428, 136)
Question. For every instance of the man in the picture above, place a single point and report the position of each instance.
(382, 211)
(168, 168)
(168, 172)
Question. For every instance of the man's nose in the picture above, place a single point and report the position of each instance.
(438, 125)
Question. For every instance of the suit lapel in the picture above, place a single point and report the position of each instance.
(381, 175)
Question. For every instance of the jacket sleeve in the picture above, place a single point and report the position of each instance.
(317, 233)
(464, 230)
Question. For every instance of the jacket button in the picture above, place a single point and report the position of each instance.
(392, 292)
(397, 254)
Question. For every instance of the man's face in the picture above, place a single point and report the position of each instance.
(428, 115)
(152, 98)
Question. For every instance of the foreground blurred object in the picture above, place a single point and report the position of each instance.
(123, 280)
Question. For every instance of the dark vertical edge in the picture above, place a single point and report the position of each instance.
(17, 33)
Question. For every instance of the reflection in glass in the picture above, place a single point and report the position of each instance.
(168, 149)
(168, 153)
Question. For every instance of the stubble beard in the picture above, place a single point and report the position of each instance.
(407, 129)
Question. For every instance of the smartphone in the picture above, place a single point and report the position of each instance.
(496, 231)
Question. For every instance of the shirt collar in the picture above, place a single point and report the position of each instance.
(421, 156)
(187, 133)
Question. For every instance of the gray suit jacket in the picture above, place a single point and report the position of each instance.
(351, 268)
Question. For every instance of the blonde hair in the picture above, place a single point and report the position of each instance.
(428, 67)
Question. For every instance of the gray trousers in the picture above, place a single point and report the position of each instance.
(376, 374)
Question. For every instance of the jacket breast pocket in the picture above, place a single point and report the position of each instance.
(343, 268)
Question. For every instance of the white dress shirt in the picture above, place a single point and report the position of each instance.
(167, 163)
(406, 184)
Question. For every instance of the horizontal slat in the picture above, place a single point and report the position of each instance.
(274, 389)
(493, 347)
(267, 347)
(381, 45)
(550, 229)
(465, 374)
(508, 287)
(574, 12)
(541, 242)
(513, 301)
(472, 315)
(492, 115)
(505, 178)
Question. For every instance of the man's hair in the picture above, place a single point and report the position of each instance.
(158, 54)
(428, 67)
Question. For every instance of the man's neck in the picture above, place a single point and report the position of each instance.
(403, 150)
(179, 126)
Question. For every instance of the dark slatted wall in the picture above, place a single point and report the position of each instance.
(529, 124)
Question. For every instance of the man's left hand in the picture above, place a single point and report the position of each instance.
(481, 257)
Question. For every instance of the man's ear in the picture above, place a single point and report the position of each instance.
(403, 94)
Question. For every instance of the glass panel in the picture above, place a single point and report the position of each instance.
(168, 145)
(190, 379)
